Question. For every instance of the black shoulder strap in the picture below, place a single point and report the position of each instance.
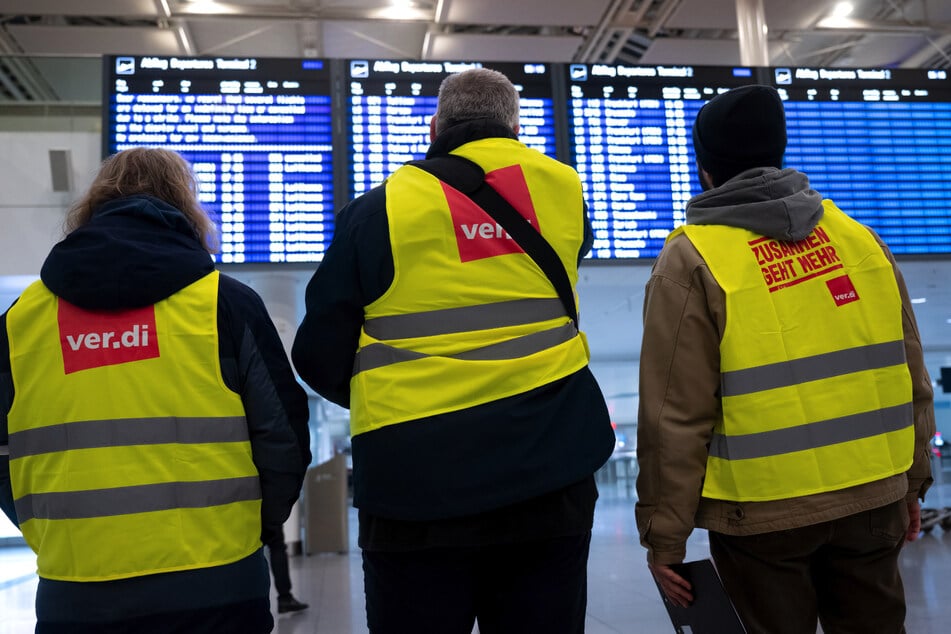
(468, 178)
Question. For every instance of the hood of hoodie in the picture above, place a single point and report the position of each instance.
(135, 251)
(765, 200)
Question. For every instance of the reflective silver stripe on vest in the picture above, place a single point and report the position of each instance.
(813, 435)
(4, 450)
(125, 432)
(814, 368)
(377, 355)
(74, 505)
(465, 319)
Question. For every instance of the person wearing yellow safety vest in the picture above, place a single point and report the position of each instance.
(152, 429)
(476, 424)
(784, 402)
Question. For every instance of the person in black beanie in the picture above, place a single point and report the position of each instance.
(740, 130)
(784, 403)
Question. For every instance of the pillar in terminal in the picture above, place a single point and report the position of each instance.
(751, 27)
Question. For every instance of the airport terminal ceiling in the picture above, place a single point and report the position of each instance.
(823, 33)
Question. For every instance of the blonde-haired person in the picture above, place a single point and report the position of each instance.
(156, 434)
(154, 172)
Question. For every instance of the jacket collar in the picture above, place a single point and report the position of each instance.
(466, 132)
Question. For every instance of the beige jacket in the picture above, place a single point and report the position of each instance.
(684, 319)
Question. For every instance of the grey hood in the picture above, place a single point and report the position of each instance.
(765, 200)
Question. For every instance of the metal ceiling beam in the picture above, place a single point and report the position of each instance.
(939, 47)
(596, 41)
(442, 12)
(619, 43)
(19, 75)
(852, 27)
(879, 27)
(239, 38)
(663, 14)
(620, 35)
(184, 37)
(83, 8)
(177, 10)
(382, 44)
(224, 10)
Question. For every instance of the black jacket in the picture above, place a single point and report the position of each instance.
(135, 252)
(458, 464)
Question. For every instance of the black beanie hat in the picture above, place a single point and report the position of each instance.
(738, 130)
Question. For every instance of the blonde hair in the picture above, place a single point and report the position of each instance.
(153, 171)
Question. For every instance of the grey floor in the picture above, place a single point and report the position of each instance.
(622, 597)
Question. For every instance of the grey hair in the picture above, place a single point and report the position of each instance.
(478, 93)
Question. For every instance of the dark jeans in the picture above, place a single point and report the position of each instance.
(510, 589)
(277, 554)
(843, 573)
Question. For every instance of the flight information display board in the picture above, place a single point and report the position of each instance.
(630, 140)
(878, 143)
(390, 104)
(257, 133)
(273, 141)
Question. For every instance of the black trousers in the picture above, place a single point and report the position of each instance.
(509, 589)
(843, 573)
(277, 555)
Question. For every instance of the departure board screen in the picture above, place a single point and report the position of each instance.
(630, 139)
(390, 104)
(877, 142)
(257, 133)
(273, 140)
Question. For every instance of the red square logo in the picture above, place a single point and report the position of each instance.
(843, 292)
(478, 235)
(92, 339)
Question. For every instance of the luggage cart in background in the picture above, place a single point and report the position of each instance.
(935, 517)
(941, 515)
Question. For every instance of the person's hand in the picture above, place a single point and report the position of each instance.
(914, 524)
(675, 587)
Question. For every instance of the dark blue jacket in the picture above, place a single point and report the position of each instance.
(135, 252)
(452, 465)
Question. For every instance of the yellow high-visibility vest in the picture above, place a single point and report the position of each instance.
(469, 317)
(816, 393)
(128, 454)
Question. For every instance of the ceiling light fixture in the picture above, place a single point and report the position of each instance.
(842, 10)
(442, 11)
(205, 6)
(398, 10)
(919, 300)
(184, 40)
(164, 9)
(839, 17)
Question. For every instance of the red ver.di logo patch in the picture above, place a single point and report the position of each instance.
(843, 292)
(477, 234)
(92, 339)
